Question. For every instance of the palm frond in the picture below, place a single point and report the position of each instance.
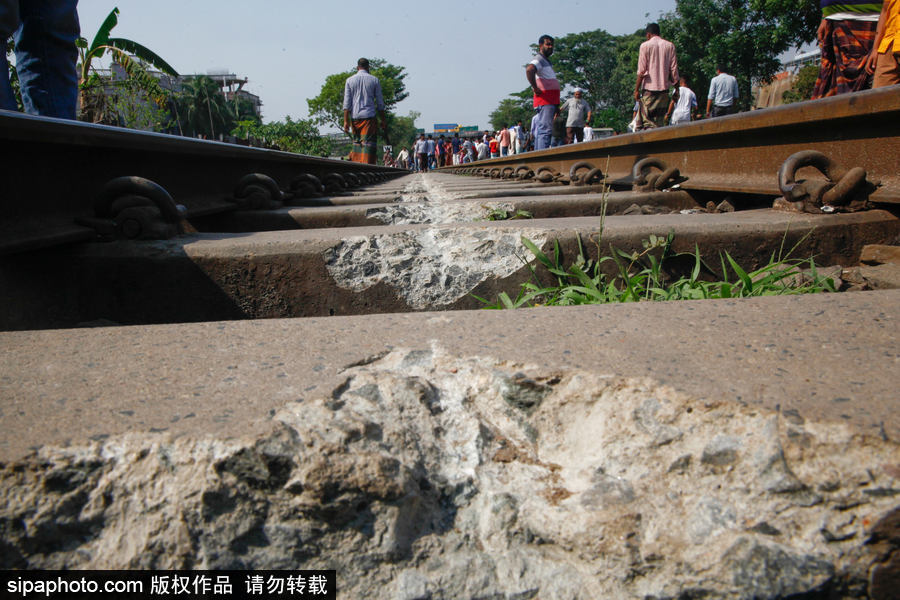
(142, 52)
(102, 37)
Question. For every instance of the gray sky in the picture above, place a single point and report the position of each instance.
(462, 57)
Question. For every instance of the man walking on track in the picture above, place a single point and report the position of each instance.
(657, 72)
(884, 59)
(723, 94)
(545, 86)
(362, 101)
(846, 34)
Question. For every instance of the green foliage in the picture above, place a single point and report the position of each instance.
(624, 74)
(327, 107)
(13, 74)
(201, 109)
(641, 276)
(603, 65)
(587, 60)
(129, 105)
(611, 117)
(499, 214)
(746, 35)
(802, 87)
(402, 130)
(518, 107)
(132, 56)
(299, 136)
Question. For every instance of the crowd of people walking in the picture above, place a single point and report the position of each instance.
(430, 153)
(859, 40)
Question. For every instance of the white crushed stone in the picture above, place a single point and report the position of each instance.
(436, 266)
(430, 267)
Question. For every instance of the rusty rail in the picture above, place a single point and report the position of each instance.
(743, 153)
(55, 171)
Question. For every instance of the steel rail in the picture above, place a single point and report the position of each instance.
(743, 153)
(53, 171)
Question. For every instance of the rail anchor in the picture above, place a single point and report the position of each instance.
(643, 180)
(334, 183)
(135, 208)
(846, 190)
(585, 173)
(306, 186)
(258, 192)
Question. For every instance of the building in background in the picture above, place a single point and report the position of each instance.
(772, 93)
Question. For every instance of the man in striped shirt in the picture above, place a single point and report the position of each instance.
(657, 72)
(545, 86)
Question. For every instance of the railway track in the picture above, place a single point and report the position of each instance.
(258, 287)
(741, 153)
(172, 230)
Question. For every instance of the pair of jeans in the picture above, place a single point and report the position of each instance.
(45, 32)
(543, 126)
(721, 111)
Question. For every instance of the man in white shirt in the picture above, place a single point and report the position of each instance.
(422, 154)
(482, 150)
(362, 101)
(403, 159)
(683, 105)
(519, 144)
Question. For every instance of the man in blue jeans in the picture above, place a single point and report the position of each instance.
(542, 78)
(45, 32)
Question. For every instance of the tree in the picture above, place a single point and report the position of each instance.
(299, 136)
(201, 109)
(127, 104)
(13, 74)
(604, 66)
(132, 56)
(327, 107)
(402, 130)
(242, 109)
(586, 60)
(802, 87)
(518, 107)
(612, 117)
(747, 36)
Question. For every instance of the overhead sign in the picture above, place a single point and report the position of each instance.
(444, 127)
(469, 128)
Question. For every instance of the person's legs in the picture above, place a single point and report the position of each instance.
(574, 134)
(721, 111)
(504, 150)
(656, 109)
(46, 57)
(543, 126)
(887, 69)
(643, 118)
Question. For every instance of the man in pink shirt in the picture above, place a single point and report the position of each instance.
(657, 72)
(504, 141)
